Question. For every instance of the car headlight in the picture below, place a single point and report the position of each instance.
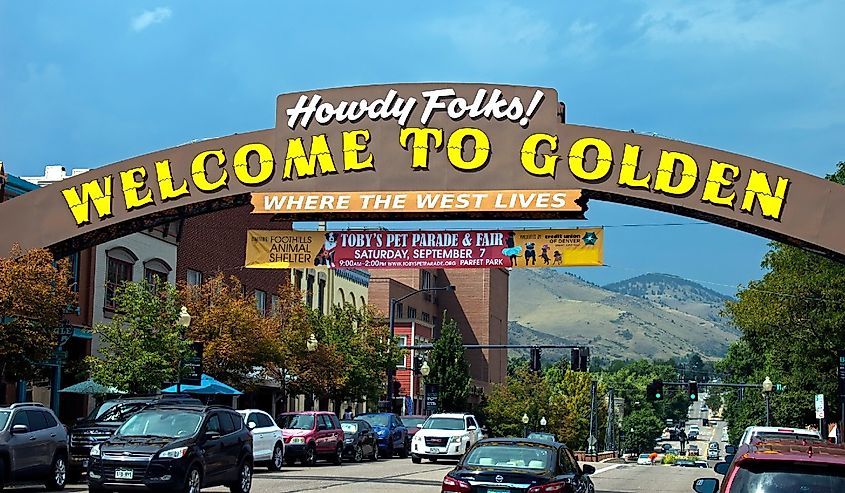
(417, 438)
(299, 440)
(456, 439)
(349, 440)
(95, 450)
(174, 453)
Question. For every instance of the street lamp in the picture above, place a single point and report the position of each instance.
(184, 321)
(425, 369)
(543, 422)
(767, 390)
(391, 369)
(525, 423)
(311, 343)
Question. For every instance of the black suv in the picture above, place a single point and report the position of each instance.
(175, 448)
(105, 419)
(33, 446)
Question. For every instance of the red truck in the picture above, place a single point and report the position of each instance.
(311, 435)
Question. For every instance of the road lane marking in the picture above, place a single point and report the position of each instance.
(608, 468)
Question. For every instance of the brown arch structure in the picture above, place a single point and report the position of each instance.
(472, 138)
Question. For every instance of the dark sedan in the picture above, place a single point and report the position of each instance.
(505, 465)
(359, 440)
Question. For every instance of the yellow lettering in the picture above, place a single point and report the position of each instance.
(351, 149)
(666, 170)
(199, 171)
(305, 164)
(265, 164)
(604, 158)
(528, 155)
(455, 149)
(131, 186)
(628, 171)
(91, 192)
(165, 182)
(419, 156)
(771, 204)
(716, 180)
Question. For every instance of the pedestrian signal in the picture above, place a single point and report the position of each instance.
(693, 391)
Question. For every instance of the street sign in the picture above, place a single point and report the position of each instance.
(819, 406)
(193, 366)
(431, 391)
(841, 375)
(592, 441)
(63, 333)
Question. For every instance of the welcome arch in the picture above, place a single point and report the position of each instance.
(509, 144)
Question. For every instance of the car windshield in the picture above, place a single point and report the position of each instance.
(413, 422)
(166, 424)
(4, 417)
(443, 424)
(376, 419)
(777, 477)
(117, 412)
(643, 456)
(297, 422)
(349, 427)
(509, 457)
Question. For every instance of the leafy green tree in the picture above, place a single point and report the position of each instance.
(449, 368)
(144, 342)
(641, 427)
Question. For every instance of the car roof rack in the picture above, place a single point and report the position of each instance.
(22, 404)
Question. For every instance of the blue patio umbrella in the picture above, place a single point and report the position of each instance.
(208, 386)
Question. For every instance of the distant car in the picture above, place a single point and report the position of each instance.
(644, 460)
(685, 463)
(713, 454)
(360, 440)
(548, 437)
(777, 433)
(786, 465)
(692, 450)
(692, 435)
(391, 431)
(311, 435)
(33, 446)
(268, 444)
(497, 465)
(704, 407)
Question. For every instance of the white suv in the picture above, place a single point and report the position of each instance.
(267, 443)
(445, 436)
(774, 433)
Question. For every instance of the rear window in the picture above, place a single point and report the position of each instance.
(783, 477)
(780, 435)
(509, 457)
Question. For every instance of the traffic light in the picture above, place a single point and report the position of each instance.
(418, 363)
(575, 359)
(584, 363)
(536, 365)
(693, 391)
(654, 390)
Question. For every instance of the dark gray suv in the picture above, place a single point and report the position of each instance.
(33, 446)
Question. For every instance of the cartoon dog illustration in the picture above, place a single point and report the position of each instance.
(558, 258)
(326, 254)
(530, 254)
(545, 254)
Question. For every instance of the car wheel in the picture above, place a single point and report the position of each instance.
(374, 456)
(58, 474)
(416, 460)
(338, 455)
(193, 482)
(244, 482)
(277, 459)
(359, 454)
(310, 457)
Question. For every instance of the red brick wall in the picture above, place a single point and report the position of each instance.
(216, 242)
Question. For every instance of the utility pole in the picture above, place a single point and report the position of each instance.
(591, 442)
(611, 417)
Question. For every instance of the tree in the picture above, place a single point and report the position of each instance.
(641, 427)
(35, 292)
(238, 340)
(525, 392)
(449, 368)
(144, 342)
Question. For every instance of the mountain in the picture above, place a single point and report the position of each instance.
(651, 316)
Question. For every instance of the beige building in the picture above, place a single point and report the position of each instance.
(323, 288)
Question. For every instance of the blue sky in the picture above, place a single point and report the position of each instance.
(85, 84)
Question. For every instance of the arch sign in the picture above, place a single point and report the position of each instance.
(411, 151)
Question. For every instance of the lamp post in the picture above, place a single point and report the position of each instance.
(767, 390)
(391, 369)
(310, 346)
(525, 423)
(543, 423)
(184, 322)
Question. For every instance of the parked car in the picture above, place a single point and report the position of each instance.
(785, 465)
(445, 436)
(693, 435)
(33, 446)
(177, 448)
(98, 426)
(413, 423)
(517, 464)
(312, 435)
(713, 454)
(644, 460)
(360, 440)
(777, 433)
(692, 450)
(268, 444)
(391, 431)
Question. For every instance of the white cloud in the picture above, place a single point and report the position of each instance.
(150, 17)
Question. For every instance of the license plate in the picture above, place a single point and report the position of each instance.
(434, 450)
(491, 490)
(123, 474)
(84, 462)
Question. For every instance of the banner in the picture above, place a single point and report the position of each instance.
(275, 249)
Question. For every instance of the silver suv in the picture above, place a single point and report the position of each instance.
(33, 446)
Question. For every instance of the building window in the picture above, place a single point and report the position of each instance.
(74, 272)
(397, 310)
(274, 304)
(402, 341)
(194, 278)
(342, 298)
(117, 272)
(363, 302)
(412, 313)
(425, 317)
(261, 301)
(309, 291)
(426, 280)
(321, 295)
(297, 279)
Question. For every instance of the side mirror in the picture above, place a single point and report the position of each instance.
(211, 435)
(251, 425)
(18, 429)
(588, 469)
(722, 468)
(705, 485)
(729, 458)
(730, 449)
(471, 428)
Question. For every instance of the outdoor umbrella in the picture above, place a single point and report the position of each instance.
(90, 387)
(208, 386)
